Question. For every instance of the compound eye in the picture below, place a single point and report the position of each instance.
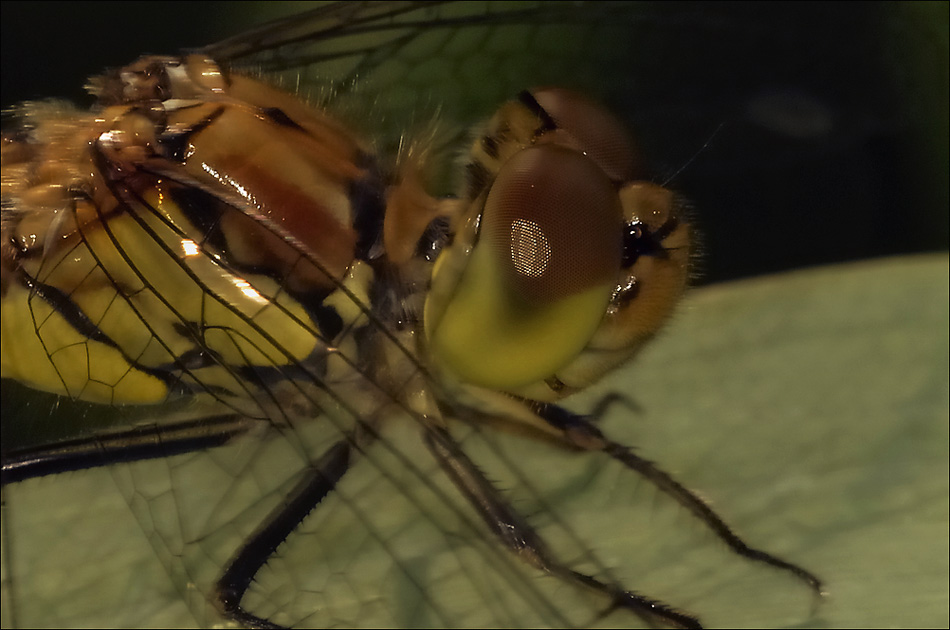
(551, 221)
(594, 131)
(540, 276)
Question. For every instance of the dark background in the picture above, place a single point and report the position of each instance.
(802, 134)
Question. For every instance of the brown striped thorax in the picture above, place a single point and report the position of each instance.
(202, 231)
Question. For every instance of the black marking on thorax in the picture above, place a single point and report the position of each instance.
(367, 199)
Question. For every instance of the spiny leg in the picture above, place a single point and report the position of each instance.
(130, 445)
(312, 488)
(579, 431)
(520, 538)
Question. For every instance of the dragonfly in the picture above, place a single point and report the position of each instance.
(318, 321)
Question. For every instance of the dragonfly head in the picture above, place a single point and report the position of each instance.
(565, 259)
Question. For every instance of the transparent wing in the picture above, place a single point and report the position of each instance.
(394, 543)
(409, 70)
(464, 57)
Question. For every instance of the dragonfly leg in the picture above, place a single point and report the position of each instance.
(260, 546)
(580, 432)
(602, 406)
(132, 445)
(518, 536)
